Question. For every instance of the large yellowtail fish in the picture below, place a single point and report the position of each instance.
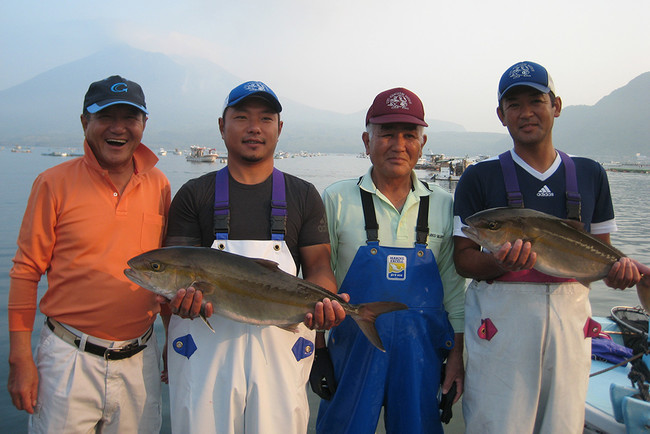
(253, 291)
(563, 249)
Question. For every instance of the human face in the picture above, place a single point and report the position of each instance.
(394, 149)
(250, 131)
(529, 115)
(113, 134)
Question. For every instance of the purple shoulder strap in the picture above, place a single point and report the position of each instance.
(573, 202)
(278, 207)
(515, 198)
(221, 220)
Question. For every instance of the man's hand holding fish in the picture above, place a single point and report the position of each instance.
(187, 304)
(516, 256)
(623, 274)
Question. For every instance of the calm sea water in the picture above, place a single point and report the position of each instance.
(18, 170)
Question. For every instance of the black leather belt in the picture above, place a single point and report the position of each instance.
(107, 353)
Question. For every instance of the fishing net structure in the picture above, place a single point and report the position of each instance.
(633, 322)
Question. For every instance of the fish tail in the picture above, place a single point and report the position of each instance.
(368, 313)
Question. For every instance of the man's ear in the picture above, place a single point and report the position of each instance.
(365, 137)
(501, 115)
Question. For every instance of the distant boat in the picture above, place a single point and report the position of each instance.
(444, 175)
(162, 152)
(201, 154)
(62, 154)
(20, 149)
(178, 152)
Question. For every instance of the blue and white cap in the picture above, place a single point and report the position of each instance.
(526, 74)
(114, 90)
(252, 89)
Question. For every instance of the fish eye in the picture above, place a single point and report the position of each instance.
(493, 225)
(156, 266)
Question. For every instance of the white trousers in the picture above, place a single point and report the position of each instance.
(79, 392)
(242, 378)
(532, 375)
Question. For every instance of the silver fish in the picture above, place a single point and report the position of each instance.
(563, 249)
(253, 291)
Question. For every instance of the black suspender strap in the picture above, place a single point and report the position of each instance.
(372, 228)
(422, 228)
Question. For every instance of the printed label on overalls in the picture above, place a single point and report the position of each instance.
(396, 267)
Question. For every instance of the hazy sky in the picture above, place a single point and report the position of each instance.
(338, 54)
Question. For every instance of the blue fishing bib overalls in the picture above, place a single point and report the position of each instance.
(405, 379)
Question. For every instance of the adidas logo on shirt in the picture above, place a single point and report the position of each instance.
(545, 192)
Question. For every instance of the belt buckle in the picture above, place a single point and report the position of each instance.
(124, 352)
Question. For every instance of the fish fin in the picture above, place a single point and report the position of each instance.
(368, 313)
(205, 320)
(290, 327)
(204, 287)
(273, 266)
(575, 224)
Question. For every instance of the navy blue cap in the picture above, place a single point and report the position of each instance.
(526, 73)
(114, 90)
(249, 89)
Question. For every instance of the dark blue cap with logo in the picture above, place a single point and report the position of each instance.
(526, 73)
(252, 89)
(114, 90)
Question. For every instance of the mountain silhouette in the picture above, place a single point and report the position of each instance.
(185, 98)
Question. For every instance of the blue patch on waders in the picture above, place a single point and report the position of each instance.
(185, 346)
(302, 349)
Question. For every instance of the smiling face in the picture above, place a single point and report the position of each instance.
(113, 134)
(394, 148)
(250, 131)
(529, 115)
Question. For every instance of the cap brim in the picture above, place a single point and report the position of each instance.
(397, 118)
(537, 86)
(263, 95)
(102, 105)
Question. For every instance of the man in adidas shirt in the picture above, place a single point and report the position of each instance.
(528, 349)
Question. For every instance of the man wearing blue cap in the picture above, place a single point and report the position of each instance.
(247, 378)
(97, 363)
(527, 333)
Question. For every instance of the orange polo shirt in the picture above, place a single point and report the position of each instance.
(80, 231)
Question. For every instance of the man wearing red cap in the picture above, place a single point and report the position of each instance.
(391, 237)
(97, 364)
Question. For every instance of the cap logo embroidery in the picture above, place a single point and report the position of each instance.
(255, 86)
(119, 87)
(398, 101)
(521, 70)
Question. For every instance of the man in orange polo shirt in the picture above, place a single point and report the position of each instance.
(97, 363)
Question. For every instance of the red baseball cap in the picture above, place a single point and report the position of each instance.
(396, 105)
